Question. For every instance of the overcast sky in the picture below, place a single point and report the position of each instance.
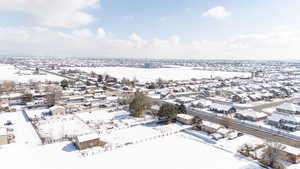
(195, 29)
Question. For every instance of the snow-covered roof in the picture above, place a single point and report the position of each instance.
(184, 99)
(211, 125)
(55, 107)
(289, 107)
(185, 116)
(223, 131)
(292, 150)
(217, 106)
(252, 113)
(3, 131)
(11, 96)
(203, 102)
(87, 137)
(277, 116)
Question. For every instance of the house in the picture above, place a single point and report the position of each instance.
(57, 110)
(184, 100)
(209, 126)
(288, 154)
(240, 98)
(88, 141)
(99, 96)
(222, 108)
(76, 99)
(202, 103)
(224, 131)
(36, 103)
(4, 138)
(13, 99)
(185, 118)
(250, 115)
(289, 108)
(285, 121)
(291, 154)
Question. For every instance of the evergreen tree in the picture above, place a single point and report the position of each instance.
(167, 112)
(138, 104)
(64, 83)
(181, 109)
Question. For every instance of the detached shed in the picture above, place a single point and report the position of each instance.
(3, 136)
(185, 118)
(88, 141)
(57, 110)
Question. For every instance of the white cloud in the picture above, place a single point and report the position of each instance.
(101, 33)
(175, 39)
(38, 41)
(137, 40)
(56, 13)
(82, 33)
(218, 12)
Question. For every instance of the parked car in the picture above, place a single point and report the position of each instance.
(8, 123)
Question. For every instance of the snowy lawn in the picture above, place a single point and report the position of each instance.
(56, 127)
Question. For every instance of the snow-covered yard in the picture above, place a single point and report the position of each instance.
(144, 75)
(23, 130)
(56, 127)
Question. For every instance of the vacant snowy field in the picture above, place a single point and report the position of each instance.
(173, 152)
(144, 75)
(8, 72)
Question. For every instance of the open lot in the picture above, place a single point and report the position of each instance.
(170, 152)
(9, 72)
(144, 75)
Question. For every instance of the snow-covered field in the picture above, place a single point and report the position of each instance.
(176, 151)
(144, 75)
(170, 152)
(9, 72)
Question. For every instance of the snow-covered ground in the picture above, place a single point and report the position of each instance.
(100, 116)
(9, 72)
(144, 75)
(23, 130)
(56, 127)
(173, 152)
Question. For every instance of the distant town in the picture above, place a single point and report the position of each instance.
(79, 111)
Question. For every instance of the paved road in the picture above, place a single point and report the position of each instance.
(263, 106)
(258, 131)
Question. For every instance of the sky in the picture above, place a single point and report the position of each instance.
(183, 29)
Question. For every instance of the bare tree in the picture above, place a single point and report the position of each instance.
(8, 86)
(53, 95)
(273, 152)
